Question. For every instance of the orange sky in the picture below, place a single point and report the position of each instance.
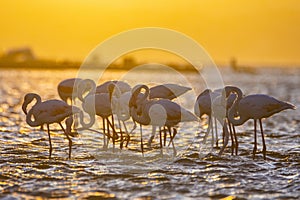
(255, 32)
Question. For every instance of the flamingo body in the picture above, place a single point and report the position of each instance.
(99, 104)
(203, 104)
(48, 112)
(256, 107)
(122, 86)
(167, 91)
(51, 111)
(67, 89)
(162, 112)
(167, 113)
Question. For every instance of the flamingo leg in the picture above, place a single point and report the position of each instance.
(216, 132)
(142, 146)
(255, 140)
(152, 136)
(127, 134)
(50, 144)
(165, 135)
(232, 140)
(70, 141)
(236, 141)
(109, 124)
(172, 137)
(114, 134)
(112, 124)
(171, 141)
(104, 134)
(134, 126)
(120, 126)
(210, 124)
(263, 139)
(226, 137)
(160, 141)
(208, 130)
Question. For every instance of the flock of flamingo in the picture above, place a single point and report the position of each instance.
(149, 106)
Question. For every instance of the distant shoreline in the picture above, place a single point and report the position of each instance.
(53, 65)
(63, 65)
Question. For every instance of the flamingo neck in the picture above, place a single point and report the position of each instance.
(232, 113)
(114, 90)
(137, 107)
(86, 84)
(28, 99)
(134, 101)
(143, 119)
(32, 123)
(91, 122)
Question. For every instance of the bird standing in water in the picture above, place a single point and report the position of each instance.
(67, 89)
(68, 92)
(167, 91)
(162, 112)
(164, 91)
(48, 112)
(256, 107)
(98, 104)
(215, 104)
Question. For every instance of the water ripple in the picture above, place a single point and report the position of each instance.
(93, 173)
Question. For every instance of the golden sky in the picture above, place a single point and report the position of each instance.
(255, 32)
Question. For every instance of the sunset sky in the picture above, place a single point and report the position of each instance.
(255, 32)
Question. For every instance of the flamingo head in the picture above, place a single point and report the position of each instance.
(28, 99)
(85, 86)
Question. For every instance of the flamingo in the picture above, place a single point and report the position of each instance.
(256, 107)
(99, 104)
(164, 91)
(162, 113)
(122, 86)
(67, 89)
(219, 112)
(120, 107)
(48, 112)
(214, 104)
(203, 107)
(167, 91)
(122, 91)
(230, 100)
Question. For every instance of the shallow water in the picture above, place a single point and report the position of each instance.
(26, 172)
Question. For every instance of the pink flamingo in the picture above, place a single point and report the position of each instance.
(167, 91)
(67, 89)
(215, 105)
(164, 91)
(48, 112)
(256, 107)
(122, 86)
(203, 106)
(162, 112)
(98, 104)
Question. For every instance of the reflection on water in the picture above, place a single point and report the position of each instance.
(27, 172)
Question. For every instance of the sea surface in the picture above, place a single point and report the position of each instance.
(26, 172)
